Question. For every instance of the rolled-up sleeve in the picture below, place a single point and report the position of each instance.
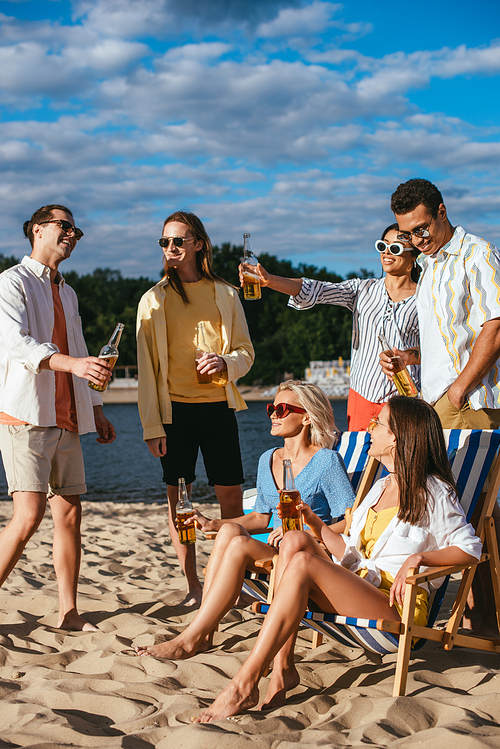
(325, 292)
(15, 325)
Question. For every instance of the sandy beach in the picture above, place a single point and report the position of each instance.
(62, 689)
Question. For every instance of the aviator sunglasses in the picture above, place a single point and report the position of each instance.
(66, 226)
(178, 241)
(283, 409)
(395, 248)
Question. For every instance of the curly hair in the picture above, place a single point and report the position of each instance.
(203, 257)
(322, 431)
(42, 214)
(413, 193)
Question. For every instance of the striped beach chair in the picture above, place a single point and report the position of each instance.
(472, 453)
(353, 447)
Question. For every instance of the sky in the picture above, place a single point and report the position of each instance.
(293, 120)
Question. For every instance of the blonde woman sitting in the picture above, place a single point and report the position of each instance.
(303, 416)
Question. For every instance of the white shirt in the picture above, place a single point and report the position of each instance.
(26, 326)
(465, 292)
(443, 525)
(438, 372)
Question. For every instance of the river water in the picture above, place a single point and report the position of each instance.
(125, 471)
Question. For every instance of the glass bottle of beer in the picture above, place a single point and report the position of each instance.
(291, 517)
(109, 353)
(201, 348)
(183, 511)
(251, 282)
(401, 377)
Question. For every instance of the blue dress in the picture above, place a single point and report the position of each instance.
(323, 485)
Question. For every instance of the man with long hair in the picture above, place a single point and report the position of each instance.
(181, 412)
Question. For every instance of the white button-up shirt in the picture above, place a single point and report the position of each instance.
(26, 327)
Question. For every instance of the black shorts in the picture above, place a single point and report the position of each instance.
(210, 427)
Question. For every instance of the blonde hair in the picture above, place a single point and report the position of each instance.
(322, 431)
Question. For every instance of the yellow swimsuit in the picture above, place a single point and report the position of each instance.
(376, 523)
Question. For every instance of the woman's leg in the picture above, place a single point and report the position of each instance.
(332, 587)
(284, 675)
(225, 587)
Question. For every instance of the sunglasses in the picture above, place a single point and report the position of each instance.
(178, 241)
(283, 409)
(375, 423)
(422, 233)
(395, 248)
(66, 226)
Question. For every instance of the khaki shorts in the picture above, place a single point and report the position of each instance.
(466, 417)
(42, 459)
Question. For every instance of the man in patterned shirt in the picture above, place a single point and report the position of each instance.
(458, 303)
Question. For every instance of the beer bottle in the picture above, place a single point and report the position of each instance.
(291, 517)
(401, 377)
(183, 511)
(109, 353)
(251, 281)
(201, 348)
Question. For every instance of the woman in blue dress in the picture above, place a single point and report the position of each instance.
(303, 416)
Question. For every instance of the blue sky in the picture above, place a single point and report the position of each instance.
(291, 119)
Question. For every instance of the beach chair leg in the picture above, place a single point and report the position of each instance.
(492, 542)
(403, 660)
(317, 639)
(458, 609)
(270, 592)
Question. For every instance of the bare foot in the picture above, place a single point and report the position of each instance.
(72, 621)
(280, 683)
(176, 650)
(193, 598)
(231, 701)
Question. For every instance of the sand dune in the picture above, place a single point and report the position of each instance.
(63, 689)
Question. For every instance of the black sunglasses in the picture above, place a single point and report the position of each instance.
(178, 241)
(66, 226)
(283, 409)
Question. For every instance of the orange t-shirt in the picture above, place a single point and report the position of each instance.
(65, 394)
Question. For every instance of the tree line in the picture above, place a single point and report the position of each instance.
(285, 340)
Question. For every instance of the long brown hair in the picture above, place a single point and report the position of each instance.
(204, 257)
(420, 452)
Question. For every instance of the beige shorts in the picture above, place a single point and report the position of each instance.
(42, 459)
(466, 417)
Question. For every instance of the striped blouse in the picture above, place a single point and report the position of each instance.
(373, 312)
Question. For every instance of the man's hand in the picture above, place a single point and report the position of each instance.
(456, 396)
(157, 446)
(105, 428)
(210, 364)
(89, 368)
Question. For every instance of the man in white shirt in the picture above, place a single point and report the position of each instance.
(45, 402)
(458, 303)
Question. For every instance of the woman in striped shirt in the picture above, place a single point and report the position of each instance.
(379, 305)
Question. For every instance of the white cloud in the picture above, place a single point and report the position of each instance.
(310, 19)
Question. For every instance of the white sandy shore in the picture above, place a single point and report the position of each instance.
(63, 689)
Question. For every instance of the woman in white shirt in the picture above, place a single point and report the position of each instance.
(411, 518)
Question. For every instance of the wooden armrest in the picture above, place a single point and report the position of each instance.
(266, 564)
(435, 572)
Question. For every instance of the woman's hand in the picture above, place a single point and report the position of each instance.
(207, 525)
(307, 514)
(210, 364)
(399, 584)
(274, 538)
(259, 271)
